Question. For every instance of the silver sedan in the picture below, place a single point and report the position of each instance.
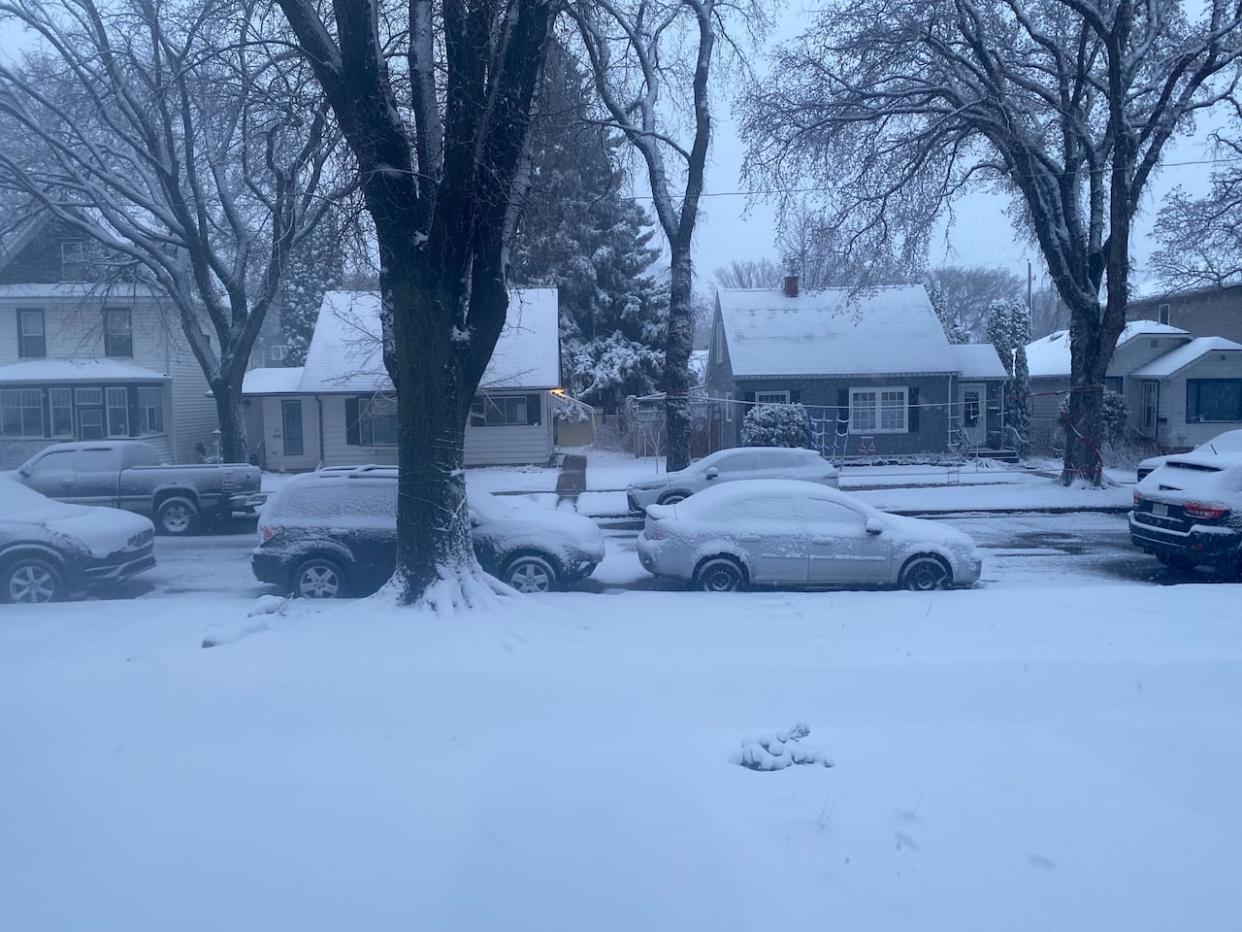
(788, 533)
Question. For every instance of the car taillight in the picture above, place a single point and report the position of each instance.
(266, 533)
(655, 532)
(1204, 510)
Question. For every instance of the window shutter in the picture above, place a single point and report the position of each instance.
(843, 405)
(534, 409)
(912, 412)
(353, 435)
(795, 397)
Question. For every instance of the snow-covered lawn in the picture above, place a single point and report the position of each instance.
(1003, 759)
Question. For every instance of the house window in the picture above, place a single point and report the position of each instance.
(377, 421)
(499, 411)
(1163, 313)
(291, 424)
(150, 410)
(21, 412)
(728, 407)
(60, 405)
(772, 398)
(277, 352)
(118, 412)
(1213, 400)
(118, 332)
(719, 343)
(31, 335)
(878, 410)
(1114, 383)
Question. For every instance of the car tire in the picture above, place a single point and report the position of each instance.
(319, 578)
(925, 573)
(31, 580)
(672, 498)
(176, 517)
(529, 573)
(720, 574)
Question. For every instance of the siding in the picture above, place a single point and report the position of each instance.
(485, 446)
(1046, 411)
(1213, 312)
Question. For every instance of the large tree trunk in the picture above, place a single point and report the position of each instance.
(677, 360)
(232, 419)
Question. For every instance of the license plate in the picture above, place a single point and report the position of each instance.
(1159, 509)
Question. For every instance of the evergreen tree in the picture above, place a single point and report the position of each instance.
(950, 319)
(578, 234)
(1009, 330)
(316, 266)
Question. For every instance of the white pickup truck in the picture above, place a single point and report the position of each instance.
(127, 474)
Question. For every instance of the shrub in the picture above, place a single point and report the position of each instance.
(776, 426)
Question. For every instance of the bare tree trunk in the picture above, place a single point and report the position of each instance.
(677, 359)
(232, 418)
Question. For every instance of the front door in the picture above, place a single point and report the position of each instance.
(841, 552)
(974, 397)
(1151, 408)
(291, 426)
(771, 532)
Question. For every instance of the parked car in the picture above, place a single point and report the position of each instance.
(789, 533)
(127, 474)
(1228, 442)
(731, 465)
(1188, 512)
(334, 533)
(49, 550)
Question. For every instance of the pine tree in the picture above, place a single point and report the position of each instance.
(316, 267)
(950, 319)
(578, 234)
(1009, 330)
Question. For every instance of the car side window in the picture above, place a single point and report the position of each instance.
(767, 509)
(821, 512)
(52, 462)
(735, 462)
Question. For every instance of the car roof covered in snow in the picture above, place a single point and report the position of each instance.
(746, 489)
(834, 331)
(979, 361)
(273, 380)
(345, 353)
(1176, 360)
(1050, 356)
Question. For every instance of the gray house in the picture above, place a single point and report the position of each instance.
(1180, 390)
(874, 370)
(1202, 312)
(340, 409)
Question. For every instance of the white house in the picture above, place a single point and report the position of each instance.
(339, 409)
(84, 359)
(1180, 390)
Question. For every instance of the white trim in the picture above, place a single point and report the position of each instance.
(728, 407)
(773, 398)
(877, 409)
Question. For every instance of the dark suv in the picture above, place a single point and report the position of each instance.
(1188, 512)
(334, 533)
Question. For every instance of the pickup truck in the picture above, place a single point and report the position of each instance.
(127, 474)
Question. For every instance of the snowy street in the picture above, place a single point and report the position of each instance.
(1019, 550)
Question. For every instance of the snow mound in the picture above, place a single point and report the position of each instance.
(269, 605)
(778, 751)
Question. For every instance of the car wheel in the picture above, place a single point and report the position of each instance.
(176, 517)
(529, 573)
(32, 579)
(672, 498)
(720, 574)
(923, 574)
(318, 578)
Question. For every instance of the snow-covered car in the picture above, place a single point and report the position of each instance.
(334, 533)
(1228, 442)
(49, 550)
(1188, 512)
(766, 532)
(730, 466)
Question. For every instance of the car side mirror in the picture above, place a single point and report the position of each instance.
(874, 526)
(712, 472)
(23, 471)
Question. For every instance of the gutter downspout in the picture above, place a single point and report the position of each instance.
(319, 406)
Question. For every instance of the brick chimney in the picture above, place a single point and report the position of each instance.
(791, 286)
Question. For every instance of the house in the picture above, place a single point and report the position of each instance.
(1202, 312)
(339, 409)
(87, 355)
(874, 370)
(1180, 390)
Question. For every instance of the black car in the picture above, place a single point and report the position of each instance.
(1188, 512)
(50, 550)
(334, 533)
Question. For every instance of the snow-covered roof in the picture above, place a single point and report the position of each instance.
(272, 381)
(345, 353)
(115, 290)
(834, 332)
(77, 370)
(979, 361)
(1176, 360)
(1050, 355)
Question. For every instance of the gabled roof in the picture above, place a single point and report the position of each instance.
(1176, 360)
(1050, 356)
(345, 354)
(979, 361)
(836, 331)
(272, 381)
(77, 370)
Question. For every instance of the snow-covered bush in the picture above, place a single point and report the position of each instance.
(778, 751)
(776, 426)
(1116, 417)
(1009, 330)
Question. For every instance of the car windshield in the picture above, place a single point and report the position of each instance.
(16, 499)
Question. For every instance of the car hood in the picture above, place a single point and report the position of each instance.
(1152, 462)
(548, 529)
(923, 531)
(659, 481)
(100, 531)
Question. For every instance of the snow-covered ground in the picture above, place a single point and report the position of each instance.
(1003, 759)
